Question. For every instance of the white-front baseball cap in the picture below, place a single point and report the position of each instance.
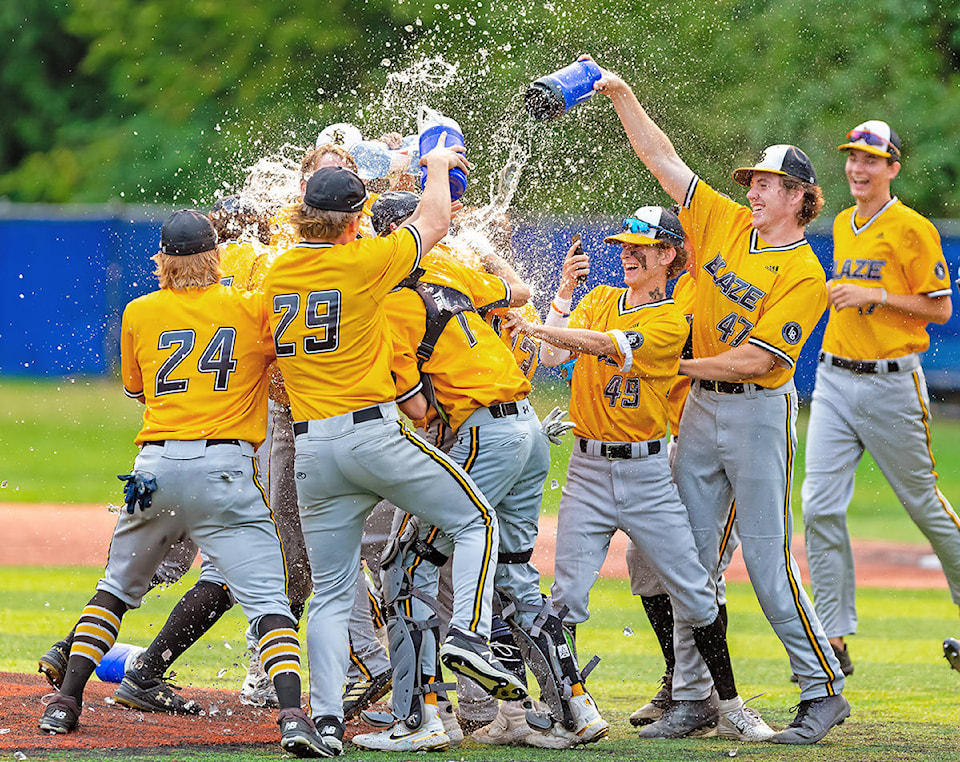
(873, 136)
(341, 134)
(780, 159)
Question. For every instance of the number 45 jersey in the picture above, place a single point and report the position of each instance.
(198, 357)
(747, 290)
(624, 398)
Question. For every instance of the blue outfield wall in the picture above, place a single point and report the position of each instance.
(65, 276)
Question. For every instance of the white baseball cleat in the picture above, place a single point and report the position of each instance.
(590, 726)
(428, 736)
(742, 723)
(509, 726)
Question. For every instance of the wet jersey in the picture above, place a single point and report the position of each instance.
(747, 290)
(330, 330)
(683, 296)
(526, 349)
(624, 398)
(199, 357)
(896, 249)
(471, 367)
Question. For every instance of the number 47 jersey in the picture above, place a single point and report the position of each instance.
(199, 358)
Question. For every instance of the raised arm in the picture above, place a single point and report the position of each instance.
(432, 216)
(648, 140)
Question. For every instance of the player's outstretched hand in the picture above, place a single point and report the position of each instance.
(516, 323)
(609, 83)
(553, 426)
(446, 158)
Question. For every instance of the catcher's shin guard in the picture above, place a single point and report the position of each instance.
(414, 644)
(546, 651)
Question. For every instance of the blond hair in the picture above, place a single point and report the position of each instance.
(188, 271)
(320, 224)
(311, 159)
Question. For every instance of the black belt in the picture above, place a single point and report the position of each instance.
(621, 451)
(860, 366)
(162, 442)
(359, 416)
(503, 409)
(724, 387)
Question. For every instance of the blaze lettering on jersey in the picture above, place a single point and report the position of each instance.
(732, 286)
(859, 269)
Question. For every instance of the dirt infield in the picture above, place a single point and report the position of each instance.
(105, 726)
(78, 535)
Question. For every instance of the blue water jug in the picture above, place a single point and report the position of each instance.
(118, 660)
(550, 96)
(436, 129)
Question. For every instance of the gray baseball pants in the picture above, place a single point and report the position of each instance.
(740, 447)
(888, 415)
(344, 466)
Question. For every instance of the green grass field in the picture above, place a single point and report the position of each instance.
(64, 442)
(906, 700)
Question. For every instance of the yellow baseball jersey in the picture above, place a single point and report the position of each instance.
(896, 249)
(526, 349)
(471, 366)
(283, 236)
(199, 357)
(624, 398)
(331, 331)
(244, 263)
(747, 290)
(684, 292)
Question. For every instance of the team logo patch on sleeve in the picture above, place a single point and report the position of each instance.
(940, 270)
(635, 338)
(792, 333)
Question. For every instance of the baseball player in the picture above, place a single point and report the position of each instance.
(759, 294)
(627, 343)
(195, 353)
(889, 280)
(480, 391)
(332, 340)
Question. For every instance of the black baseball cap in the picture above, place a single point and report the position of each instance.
(186, 232)
(392, 207)
(780, 159)
(335, 189)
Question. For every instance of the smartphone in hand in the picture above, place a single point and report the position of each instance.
(581, 279)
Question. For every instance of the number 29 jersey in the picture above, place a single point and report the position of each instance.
(624, 398)
(198, 357)
(747, 290)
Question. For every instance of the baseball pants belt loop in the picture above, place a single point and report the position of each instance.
(899, 365)
(501, 410)
(621, 450)
(340, 424)
(209, 442)
(727, 387)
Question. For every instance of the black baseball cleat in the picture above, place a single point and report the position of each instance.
(951, 652)
(686, 719)
(361, 694)
(814, 719)
(469, 655)
(61, 715)
(654, 709)
(300, 736)
(53, 664)
(152, 695)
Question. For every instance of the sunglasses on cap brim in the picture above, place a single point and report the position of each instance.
(872, 139)
(638, 227)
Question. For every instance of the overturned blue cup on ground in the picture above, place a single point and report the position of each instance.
(118, 660)
(551, 96)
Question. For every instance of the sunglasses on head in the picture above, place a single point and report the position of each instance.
(633, 225)
(872, 139)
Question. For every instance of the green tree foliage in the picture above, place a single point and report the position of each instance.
(169, 100)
